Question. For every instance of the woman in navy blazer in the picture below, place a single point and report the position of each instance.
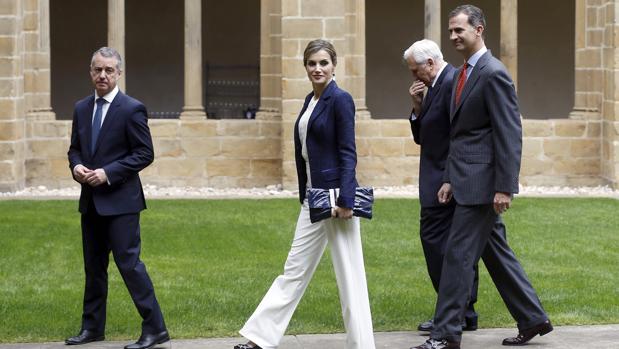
(324, 137)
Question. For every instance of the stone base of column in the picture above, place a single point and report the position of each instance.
(193, 113)
(268, 114)
(363, 114)
(41, 115)
(585, 114)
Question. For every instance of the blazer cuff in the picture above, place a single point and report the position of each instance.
(345, 201)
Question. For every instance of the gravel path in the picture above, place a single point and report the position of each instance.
(276, 191)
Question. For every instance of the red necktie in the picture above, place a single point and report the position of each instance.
(461, 82)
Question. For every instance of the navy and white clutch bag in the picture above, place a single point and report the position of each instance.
(320, 202)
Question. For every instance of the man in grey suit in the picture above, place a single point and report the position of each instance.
(481, 176)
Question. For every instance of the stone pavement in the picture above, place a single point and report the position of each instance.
(563, 337)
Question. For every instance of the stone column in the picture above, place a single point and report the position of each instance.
(37, 77)
(589, 27)
(12, 122)
(355, 57)
(301, 22)
(270, 60)
(194, 107)
(509, 37)
(601, 28)
(433, 21)
(116, 34)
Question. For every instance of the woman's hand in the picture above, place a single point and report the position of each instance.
(341, 212)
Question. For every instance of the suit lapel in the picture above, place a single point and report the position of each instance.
(427, 101)
(87, 114)
(435, 91)
(470, 83)
(322, 103)
(109, 118)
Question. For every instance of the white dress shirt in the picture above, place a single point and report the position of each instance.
(108, 98)
(473, 60)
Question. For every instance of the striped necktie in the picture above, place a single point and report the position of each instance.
(461, 82)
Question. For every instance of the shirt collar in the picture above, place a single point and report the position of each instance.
(439, 73)
(475, 57)
(109, 97)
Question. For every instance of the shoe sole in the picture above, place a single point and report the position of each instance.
(167, 339)
(469, 329)
(98, 339)
(546, 331)
(161, 341)
(541, 333)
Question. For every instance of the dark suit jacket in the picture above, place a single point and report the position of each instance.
(124, 147)
(431, 131)
(486, 135)
(330, 145)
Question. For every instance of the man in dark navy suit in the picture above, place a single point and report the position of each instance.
(430, 126)
(110, 144)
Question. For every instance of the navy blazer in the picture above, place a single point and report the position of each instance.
(330, 145)
(123, 149)
(431, 131)
(486, 135)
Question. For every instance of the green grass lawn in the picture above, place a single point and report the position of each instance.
(212, 261)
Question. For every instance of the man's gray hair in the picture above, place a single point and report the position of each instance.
(108, 52)
(423, 50)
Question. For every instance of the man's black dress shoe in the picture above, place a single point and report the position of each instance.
(85, 336)
(148, 341)
(469, 324)
(246, 346)
(525, 335)
(426, 326)
(438, 344)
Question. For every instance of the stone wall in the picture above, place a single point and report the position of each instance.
(12, 116)
(246, 153)
(607, 37)
(215, 153)
(561, 152)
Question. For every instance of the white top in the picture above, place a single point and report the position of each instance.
(439, 73)
(303, 136)
(108, 98)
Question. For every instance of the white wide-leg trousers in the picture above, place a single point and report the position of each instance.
(269, 321)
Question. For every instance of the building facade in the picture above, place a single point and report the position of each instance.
(174, 50)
